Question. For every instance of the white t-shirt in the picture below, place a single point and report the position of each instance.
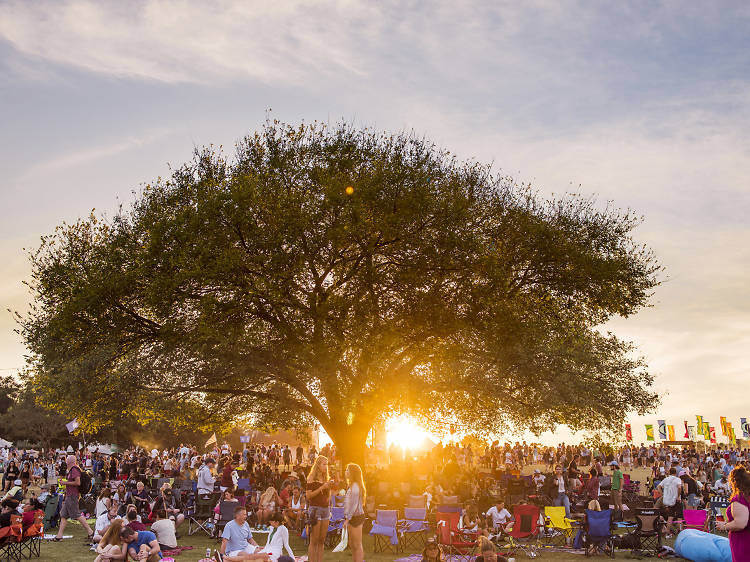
(498, 517)
(671, 487)
(165, 533)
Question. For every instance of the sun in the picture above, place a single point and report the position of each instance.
(403, 431)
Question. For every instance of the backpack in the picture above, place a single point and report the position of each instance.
(86, 481)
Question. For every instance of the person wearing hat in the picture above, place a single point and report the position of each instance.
(616, 489)
(205, 478)
(689, 488)
(16, 491)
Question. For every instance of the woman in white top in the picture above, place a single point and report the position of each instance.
(354, 513)
(104, 501)
(278, 540)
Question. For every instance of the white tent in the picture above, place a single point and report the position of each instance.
(4, 443)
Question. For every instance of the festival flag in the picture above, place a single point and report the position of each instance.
(72, 425)
(732, 436)
(662, 429)
(211, 440)
(628, 432)
(649, 432)
(700, 426)
(724, 428)
(745, 427)
(691, 432)
(670, 432)
(687, 433)
(707, 431)
(712, 434)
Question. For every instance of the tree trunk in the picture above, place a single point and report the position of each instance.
(350, 441)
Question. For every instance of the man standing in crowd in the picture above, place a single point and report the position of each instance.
(205, 478)
(616, 489)
(70, 509)
(671, 489)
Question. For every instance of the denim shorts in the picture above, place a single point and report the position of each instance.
(316, 513)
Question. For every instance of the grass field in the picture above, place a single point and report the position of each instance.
(75, 550)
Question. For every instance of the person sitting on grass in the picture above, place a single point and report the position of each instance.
(133, 518)
(103, 522)
(237, 543)
(15, 492)
(278, 540)
(141, 545)
(432, 551)
(164, 529)
(487, 552)
(111, 547)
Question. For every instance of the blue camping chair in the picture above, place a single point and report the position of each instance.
(384, 531)
(335, 526)
(413, 527)
(597, 533)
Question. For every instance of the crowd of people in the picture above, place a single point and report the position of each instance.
(290, 488)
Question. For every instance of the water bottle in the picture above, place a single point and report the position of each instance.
(208, 553)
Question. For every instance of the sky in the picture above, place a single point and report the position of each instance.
(646, 104)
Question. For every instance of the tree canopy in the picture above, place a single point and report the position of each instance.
(337, 275)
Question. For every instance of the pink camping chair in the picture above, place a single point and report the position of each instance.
(695, 519)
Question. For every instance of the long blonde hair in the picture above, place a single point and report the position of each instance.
(486, 544)
(317, 474)
(355, 477)
(268, 495)
(112, 534)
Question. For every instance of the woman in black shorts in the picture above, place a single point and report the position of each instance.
(354, 512)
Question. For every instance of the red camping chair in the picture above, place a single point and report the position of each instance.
(525, 533)
(451, 538)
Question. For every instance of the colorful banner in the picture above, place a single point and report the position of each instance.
(687, 432)
(662, 429)
(745, 427)
(723, 423)
(707, 431)
(628, 432)
(649, 432)
(699, 426)
(732, 437)
(712, 434)
(670, 432)
(691, 432)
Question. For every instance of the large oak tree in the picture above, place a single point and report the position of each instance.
(341, 274)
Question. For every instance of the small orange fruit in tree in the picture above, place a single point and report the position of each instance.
(349, 190)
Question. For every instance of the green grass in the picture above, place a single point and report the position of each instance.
(75, 550)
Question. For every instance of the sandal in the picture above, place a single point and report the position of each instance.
(56, 539)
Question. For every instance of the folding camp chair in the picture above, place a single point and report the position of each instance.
(648, 532)
(451, 538)
(718, 505)
(558, 528)
(695, 519)
(384, 531)
(335, 526)
(450, 500)
(525, 532)
(226, 514)
(201, 514)
(516, 490)
(416, 501)
(31, 541)
(51, 511)
(413, 527)
(10, 539)
(597, 533)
